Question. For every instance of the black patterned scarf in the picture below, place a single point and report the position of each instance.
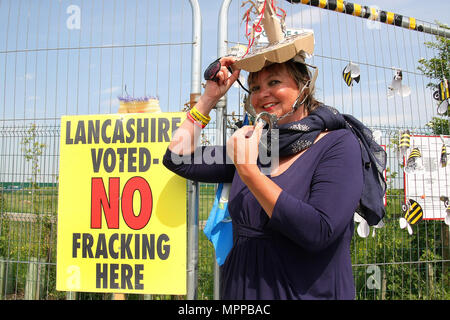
(300, 135)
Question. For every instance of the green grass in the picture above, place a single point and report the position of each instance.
(45, 201)
(20, 240)
(403, 276)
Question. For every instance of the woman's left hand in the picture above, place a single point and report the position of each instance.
(242, 146)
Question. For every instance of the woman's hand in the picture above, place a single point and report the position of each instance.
(185, 139)
(215, 90)
(242, 148)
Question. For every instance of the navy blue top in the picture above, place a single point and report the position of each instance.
(303, 251)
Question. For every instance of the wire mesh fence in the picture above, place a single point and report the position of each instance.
(76, 57)
(28, 207)
(389, 263)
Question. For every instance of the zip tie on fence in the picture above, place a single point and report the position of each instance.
(375, 14)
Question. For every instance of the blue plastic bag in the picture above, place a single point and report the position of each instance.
(218, 228)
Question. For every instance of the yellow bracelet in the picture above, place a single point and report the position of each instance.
(198, 116)
(197, 123)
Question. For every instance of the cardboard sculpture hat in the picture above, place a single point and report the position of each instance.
(280, 48)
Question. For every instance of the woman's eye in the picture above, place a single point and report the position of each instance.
(274, 82)
(254, 89)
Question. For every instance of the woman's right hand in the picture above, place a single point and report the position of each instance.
(185, 139)
(216, 90)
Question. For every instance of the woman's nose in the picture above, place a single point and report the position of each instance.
(263, 92)
(259, 97)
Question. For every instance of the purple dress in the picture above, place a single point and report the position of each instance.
(303, 251)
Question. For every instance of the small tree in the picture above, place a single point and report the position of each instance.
(437, 69)
(439, 126)
(33, 149)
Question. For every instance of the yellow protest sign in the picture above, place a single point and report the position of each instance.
(121, 213)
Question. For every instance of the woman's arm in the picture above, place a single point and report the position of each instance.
(207, 164)
(335, 191)
(204, 164)
(185, 138)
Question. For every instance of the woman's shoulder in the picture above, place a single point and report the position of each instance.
(343, 145)
(340, 136)
(338, 144)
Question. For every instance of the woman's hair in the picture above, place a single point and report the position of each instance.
(300, 73)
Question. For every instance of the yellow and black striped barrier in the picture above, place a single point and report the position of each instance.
(375, 14)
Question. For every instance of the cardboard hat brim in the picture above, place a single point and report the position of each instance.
(277, 53)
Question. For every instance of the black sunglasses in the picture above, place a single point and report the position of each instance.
(214, 68)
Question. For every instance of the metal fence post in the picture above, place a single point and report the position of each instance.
(192, 254)
(221, 108)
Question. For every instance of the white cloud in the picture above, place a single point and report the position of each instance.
(27, 76)
(110, 90)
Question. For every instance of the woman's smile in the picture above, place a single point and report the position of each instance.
(269, 106)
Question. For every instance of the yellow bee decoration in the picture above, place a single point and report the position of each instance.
(413, 213)
(351, 73)
(405, 142)
(413, 164)
(442, 95)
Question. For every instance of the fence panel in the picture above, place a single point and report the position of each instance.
(28, 206)
(74, 58)
(389, 263)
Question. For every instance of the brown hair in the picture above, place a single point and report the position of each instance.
(299, 72)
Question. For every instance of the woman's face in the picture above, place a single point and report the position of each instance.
(274, 90)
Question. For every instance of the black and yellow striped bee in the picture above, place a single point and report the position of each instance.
(412, 164)
(412, 214)
(405, 142)
(443, 156)
(442, 95)
(351, 73)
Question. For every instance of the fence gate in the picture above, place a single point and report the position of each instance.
(389, 263)
(74, 58)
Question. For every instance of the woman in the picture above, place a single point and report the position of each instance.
(292, 228)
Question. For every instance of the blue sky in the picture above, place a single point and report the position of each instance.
(375, 46)
(48, 69)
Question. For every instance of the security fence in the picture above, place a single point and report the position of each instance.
(389, 263)
(75, 57)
